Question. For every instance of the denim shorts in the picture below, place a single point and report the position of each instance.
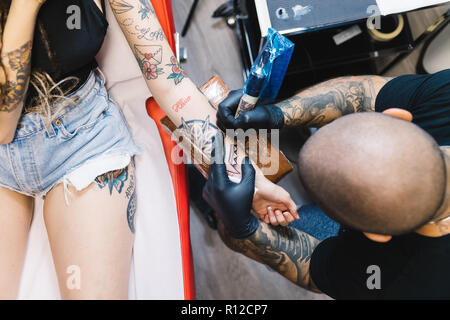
(89, 138)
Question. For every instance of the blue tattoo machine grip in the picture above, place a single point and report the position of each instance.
(267, 72)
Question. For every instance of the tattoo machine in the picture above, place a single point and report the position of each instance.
(267, 72)
(216, 91)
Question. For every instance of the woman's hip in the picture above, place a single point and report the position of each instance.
(42, 155)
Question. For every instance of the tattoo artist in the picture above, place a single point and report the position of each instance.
(378, 166)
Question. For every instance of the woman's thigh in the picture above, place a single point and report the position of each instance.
(16, 211)
(92, 236)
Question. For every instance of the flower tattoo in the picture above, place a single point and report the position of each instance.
(149, 59)
(177, 74)
(151, 71)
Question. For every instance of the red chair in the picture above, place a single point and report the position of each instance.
(163, 9)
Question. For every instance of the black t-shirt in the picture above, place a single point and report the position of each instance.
(75, 32)
(427, 97)
(409, 266)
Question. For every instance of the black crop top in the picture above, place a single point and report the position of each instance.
(74, 40)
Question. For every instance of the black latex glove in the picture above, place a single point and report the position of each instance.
(231, 201)
(262, 117)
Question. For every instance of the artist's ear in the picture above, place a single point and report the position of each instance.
(399, 114)
(378, 237)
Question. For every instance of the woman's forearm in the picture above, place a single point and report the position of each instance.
(17, 41)
(181, 100)
(175, 93)
(16, 44)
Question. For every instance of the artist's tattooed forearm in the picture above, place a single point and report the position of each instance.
(13, 91)
(113, 180)
(323, 103)
(286, 250)
(177, 73)
(149, 59)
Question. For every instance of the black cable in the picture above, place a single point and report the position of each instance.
(189, 18)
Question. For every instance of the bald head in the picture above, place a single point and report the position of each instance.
(374, 173)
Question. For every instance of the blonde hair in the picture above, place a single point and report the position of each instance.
(50, 98)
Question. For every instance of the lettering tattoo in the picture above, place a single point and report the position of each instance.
(140, 33)
(325, 102)
(148, 34)
(286, 250)
(180, 104)
(149, 58)
(113, 180)
(178, 73)
(14, 90)
(121, 6)
(131, 195)
(131, 212)
(132, 185)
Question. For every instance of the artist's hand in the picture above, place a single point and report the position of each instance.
(231, 201)
(273, 204)
(262, 117)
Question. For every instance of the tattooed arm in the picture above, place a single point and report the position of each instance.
(15, 64)
(177, 95)
(329, 100)
(286, 250)
(312, 107)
